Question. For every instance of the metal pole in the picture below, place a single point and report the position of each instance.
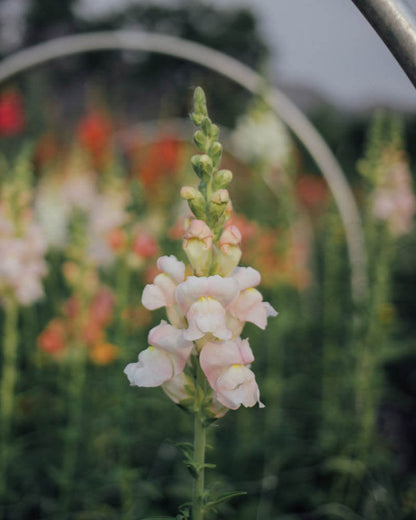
(245, 77)
(394, 29)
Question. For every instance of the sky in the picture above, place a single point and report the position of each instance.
(326, 46)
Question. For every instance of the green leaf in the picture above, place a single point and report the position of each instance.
(224, 497)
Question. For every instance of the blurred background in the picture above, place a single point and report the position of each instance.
(94, 149)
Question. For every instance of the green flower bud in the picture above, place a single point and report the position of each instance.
(202, 165)
(200, 102)
(217, 206)
(222, 179)
(197, 118)
(195, 200)
(206, 126)
(215, 131)
(201, 140)
(215, 152)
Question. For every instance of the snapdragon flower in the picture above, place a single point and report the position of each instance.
(208, 309)
(199, 358)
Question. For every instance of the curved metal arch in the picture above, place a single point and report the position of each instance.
(240, 74)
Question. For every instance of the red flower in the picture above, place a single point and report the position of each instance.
(161, 161)
(12, 116)
(94, 133)
(312, 191)
(144, 245)
(52, 339)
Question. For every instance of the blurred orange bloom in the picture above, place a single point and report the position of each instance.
(103, 353)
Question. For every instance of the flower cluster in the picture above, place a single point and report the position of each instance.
(207, 303)
(22, 246)
(78, 326)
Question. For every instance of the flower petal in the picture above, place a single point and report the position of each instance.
(153, 368)
(172, 267)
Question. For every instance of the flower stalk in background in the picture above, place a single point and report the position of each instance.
(198, 357)
(22, 267)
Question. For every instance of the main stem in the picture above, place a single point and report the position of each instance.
(8, 381)
(199, 458)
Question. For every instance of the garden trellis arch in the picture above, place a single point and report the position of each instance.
(243, 76)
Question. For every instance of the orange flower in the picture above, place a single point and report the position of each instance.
(103, 353)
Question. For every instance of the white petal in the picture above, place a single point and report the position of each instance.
(172, 267)
(153, 368)
(246, 277)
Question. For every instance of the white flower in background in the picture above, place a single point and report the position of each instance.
(52, 213)
(261, 138)
(106, 213)
(22, 263)
(394, 201)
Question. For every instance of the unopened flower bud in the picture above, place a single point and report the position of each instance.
(222, 179)
(216, 152)
(195, 200)
(229, 253)
(201, 140)
(220, 197)
(188, 192)
(197, 245)
(200, 102)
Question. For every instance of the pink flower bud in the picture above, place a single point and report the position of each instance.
(197, 245)
(229, 253)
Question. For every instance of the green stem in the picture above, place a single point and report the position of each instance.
(72, 433)
(7, 386)
(122, 299)
(199, 457)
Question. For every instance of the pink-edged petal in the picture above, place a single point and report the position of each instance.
(172, 267)
(207, 316)
(191, 290)
(237, 386)
(246, 277)
(215, 357)
(246, 300)
(153, 368)
(222, 289)
(153, 297)
(160, 293)
(172, 342)
(177, 387)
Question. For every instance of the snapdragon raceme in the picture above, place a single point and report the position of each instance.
(199, 358)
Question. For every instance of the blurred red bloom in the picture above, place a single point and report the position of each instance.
(52, 339)
(161, 161)
(144, 245)
(12, 116)
(312, 192)
(94, 133)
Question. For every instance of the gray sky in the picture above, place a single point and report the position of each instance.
(325, 45)
(328, 46)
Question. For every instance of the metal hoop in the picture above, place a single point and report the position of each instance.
(240, 74)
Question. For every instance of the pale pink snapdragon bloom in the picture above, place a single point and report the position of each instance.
(249, 305)
(226, 366)
(164, 359)
(204, 301)
(161, 293)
